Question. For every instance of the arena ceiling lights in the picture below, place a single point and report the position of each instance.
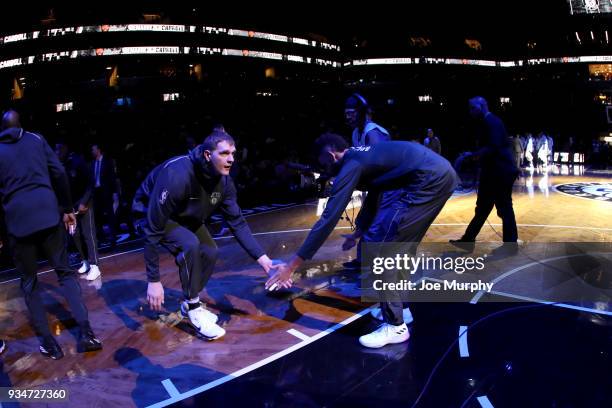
(178, 50)
(161, 50)
(169, 28)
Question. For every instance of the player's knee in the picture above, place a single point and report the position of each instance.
(191, 247)
(209, 253)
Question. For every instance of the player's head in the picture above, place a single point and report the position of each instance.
(218, 152)
(356, 110)
(478, 107)
(329, 149)
(62, 149)
(10, 119)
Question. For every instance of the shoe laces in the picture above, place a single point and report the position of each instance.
(199, 313)
(387, 329)
(383, 329)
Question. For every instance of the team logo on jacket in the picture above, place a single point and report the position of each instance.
(163, 197)
(593, 191)
(215, 197)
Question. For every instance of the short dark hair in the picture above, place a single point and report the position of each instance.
(10, 118)
(216, 137)
(332, 140)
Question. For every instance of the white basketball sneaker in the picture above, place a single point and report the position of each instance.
(94, 273)
(377, 314)
(201, 321)
(385, 334)
(84, 267)
(209, 315)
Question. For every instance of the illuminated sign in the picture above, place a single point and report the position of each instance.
(63, 107)
(169, 97)
(161, 50)
(174, 50)
(12, 63)
(590, 6)
(175, 28)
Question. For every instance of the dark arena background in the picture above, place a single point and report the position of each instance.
(140, 83)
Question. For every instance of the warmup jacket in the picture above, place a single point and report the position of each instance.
(185, 190)
(383, 167)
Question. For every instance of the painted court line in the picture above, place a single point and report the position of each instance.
(280, 232)
(261, 363)
(298, 334)
(557, 304)
(169, 386)
(528, 225)
(341, 228)
(104, 257)
(463, 343)
(484, 402)
(480, 294)
(140, 249)
(477, 297)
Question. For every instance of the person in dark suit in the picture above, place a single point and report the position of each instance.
(498, 172)
(106, 192)
(81, 188)
(433, 142)
(34, 187)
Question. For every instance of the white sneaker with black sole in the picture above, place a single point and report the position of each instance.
(201, 321)
(209, 315)
(377, 314)
(84, 267)
(385, 334)
(94, 273)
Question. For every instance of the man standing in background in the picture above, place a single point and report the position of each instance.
(498, 172)
(433, 142)
(34, 188)
(81, 187)
(106, 192)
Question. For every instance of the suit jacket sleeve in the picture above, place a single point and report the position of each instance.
(59, 179)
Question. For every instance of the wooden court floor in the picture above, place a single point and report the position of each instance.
(141, 353)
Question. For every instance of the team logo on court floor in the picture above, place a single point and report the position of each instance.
(594, 190)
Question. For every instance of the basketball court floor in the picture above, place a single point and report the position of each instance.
(541, 337)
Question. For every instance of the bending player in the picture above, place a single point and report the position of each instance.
(177, 197)
(415, 183)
